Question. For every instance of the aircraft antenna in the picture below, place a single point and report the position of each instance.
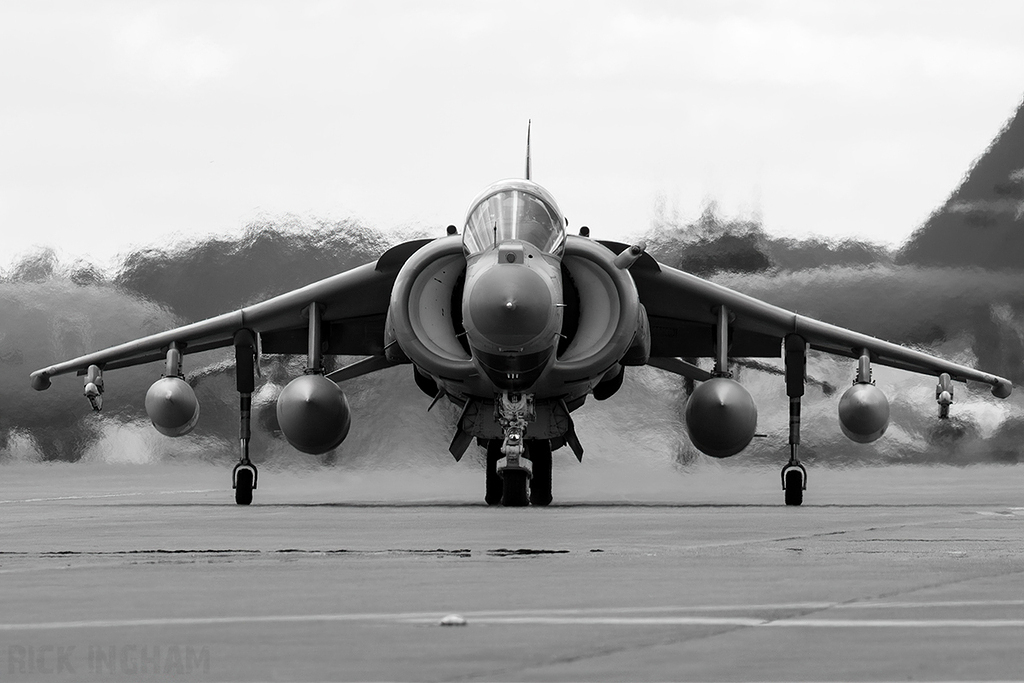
(529, 123)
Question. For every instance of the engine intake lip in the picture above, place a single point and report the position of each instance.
(425, 334)
(609, 311)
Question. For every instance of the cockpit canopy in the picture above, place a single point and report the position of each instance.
(514, 210)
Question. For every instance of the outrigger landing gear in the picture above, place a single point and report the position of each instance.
(245, 475)
(794, 475)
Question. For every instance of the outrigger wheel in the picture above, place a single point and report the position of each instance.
(244, 481)
(794, 481)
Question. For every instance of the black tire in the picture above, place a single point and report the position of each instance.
(495, 487)
(243, 486)
(514, 489)
(539, 451)
(794, 487)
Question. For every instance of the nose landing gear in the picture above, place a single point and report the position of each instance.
(527, 483)
(518, 469)
(514, 469)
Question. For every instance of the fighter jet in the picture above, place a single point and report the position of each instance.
(517, 323)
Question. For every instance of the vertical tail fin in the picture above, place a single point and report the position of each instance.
(529, 124)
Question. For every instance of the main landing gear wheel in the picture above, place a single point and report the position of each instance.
(514, 488)
(245, 482)
(793, 481)
(495, 486)
(540, 485)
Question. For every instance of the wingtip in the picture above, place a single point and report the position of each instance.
(41, 380)
(1002, 388)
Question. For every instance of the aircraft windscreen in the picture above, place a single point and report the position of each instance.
(514, 215)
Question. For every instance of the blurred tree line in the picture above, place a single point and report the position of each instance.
(713, 243)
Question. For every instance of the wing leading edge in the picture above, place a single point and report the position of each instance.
(683, 310)
(354, 306)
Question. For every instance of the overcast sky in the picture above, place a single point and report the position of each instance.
(125, 124)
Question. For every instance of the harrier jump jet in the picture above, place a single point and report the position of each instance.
(517, 324)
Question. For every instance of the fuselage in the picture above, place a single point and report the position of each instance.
(512, 308)
(514, 305)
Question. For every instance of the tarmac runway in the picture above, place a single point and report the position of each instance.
(150, 572)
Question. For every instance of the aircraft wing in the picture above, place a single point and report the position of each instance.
(354, 302)
(682, 310)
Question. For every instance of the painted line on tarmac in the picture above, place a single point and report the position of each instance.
(746, 608)
(940, 603)
(216, 621)
(624, 616)
(650, 610)
(744, 621)
(105, 495)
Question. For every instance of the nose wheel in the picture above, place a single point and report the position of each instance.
(528, 483)
(513, 494)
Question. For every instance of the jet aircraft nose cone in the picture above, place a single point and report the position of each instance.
(510, 305)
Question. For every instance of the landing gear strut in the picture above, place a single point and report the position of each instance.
(514, 411)
(245, 475)
(515, 469)
(794, 475)
(518, 468)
